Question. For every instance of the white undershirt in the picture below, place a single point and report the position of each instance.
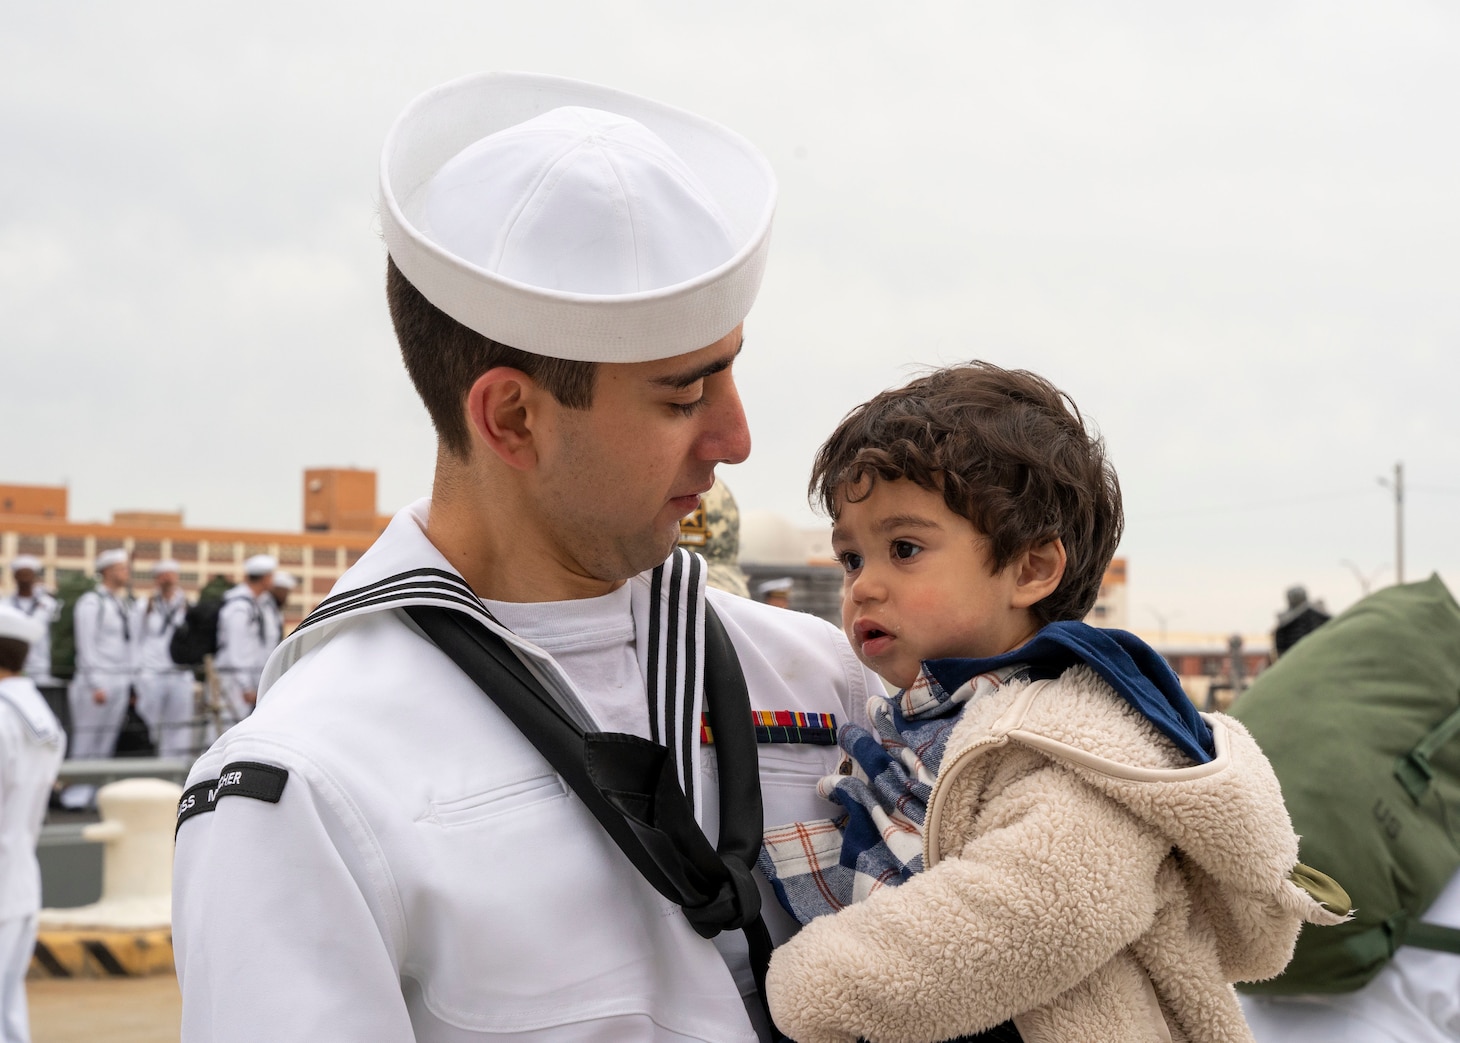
(592, 639)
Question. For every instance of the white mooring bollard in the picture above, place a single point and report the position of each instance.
(138, 817)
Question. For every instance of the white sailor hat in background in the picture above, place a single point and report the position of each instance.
(259, 565)
(107, 558)
(575, 221)
(17, 626)
(165, 565)
(770, 586)
(284, 581)
(25, 561)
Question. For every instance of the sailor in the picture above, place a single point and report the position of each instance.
(281, 586)
(776, 592)
(164, 689)
(244, 638)
(31, 747)
(379, 850)
(105, 659)
(33, 600)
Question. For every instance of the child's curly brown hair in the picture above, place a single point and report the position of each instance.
(1007, 450)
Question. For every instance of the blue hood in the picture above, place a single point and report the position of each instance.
(1133, 668)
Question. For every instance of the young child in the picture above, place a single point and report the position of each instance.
(1042, 827)
(31, 747)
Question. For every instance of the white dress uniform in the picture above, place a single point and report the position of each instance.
(43, 607)
(1414, 999)
(410, 868)
(164, 689)
(31, 747)
(242, 649)
(105, 661)
(273, 624)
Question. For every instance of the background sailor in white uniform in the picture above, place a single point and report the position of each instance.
(377, 854)
(32, 599)
(105, 659)
(244, 638)
(281, 585)
(31, 747)
(164, 689)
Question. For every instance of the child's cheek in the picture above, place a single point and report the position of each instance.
(924, 606)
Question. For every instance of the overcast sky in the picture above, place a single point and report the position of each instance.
(1231, 231)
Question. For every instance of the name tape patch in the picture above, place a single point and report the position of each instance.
(240, 779)
(783, 726)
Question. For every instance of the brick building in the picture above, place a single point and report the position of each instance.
(340, 522)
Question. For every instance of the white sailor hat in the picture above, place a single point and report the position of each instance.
(107, 558)
(25, 561)
(284, 581)
(259, 565)
(770, 586)
(575, 221)
(17, 626)
(165, 565)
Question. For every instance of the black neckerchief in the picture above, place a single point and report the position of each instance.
(631, 785)
(122, 613)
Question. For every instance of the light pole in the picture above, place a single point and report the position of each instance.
(1365, 581)
(1398, 486)
(1161, 619)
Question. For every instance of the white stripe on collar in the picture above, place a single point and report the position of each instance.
(668, 605)
(669, 617)
(434, 587)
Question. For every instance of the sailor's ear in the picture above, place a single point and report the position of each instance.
(501, 414)
(1038, 571)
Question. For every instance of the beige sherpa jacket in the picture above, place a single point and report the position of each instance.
(1083, 878)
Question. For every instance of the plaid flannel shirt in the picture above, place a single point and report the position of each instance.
(819, 867)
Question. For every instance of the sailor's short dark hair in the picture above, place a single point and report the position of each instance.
(444, 358)
(12, 654)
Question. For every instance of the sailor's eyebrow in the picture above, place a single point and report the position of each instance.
(680, 381)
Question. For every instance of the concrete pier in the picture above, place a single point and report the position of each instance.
(117, 1010)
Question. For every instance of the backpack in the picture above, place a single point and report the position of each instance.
(197, 635)
(1359, 721)
(63, 627)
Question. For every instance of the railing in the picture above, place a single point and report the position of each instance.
(212, 715)
(100, 772)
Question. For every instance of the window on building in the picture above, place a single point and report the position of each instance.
(70, 547)
(184, 550)
(31, 545)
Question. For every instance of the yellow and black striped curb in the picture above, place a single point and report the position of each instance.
(101, 954)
